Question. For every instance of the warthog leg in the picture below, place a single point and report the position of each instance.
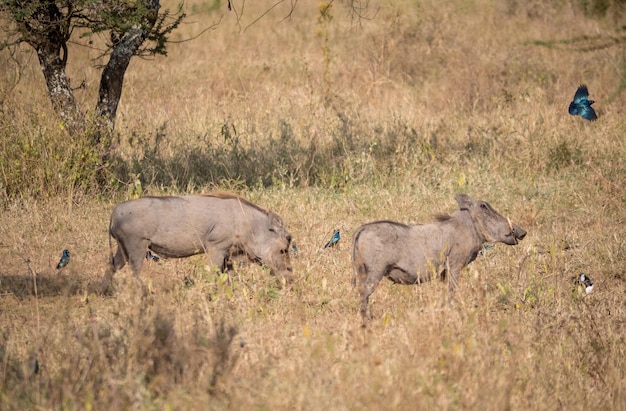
(116, 264)
(368, 280)
(130, 250)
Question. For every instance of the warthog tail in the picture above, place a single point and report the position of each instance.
(357, 261)
(110, 242)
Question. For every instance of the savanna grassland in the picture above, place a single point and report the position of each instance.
(332, 121)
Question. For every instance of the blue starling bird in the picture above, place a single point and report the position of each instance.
(485, 248)
(150, 256)
(585, 281)
(334, 240)
(582, 105)
(65, 258)
(294, 248)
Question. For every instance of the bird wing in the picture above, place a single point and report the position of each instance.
(334, 239)
(588, 113)
(581, 94)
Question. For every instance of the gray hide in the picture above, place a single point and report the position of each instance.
(221, 225)
(412, 254)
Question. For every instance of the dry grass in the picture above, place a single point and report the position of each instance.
(394, 118)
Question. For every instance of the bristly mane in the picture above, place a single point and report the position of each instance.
(226, 195)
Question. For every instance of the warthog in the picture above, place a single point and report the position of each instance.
(412, 254)
(222, 225)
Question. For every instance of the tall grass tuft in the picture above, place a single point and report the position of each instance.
(40, 161)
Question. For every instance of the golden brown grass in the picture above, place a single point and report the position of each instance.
(424, 101)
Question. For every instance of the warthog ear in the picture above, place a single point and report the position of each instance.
(275, 222)
(465, 202)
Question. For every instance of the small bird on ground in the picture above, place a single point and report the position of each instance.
(150, 256)
(65, 258)
(334, 239)
(582, 105)
(294, 248)
(35, 365)
(585, 281)
(485, 248)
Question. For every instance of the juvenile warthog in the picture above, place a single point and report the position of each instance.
(223, 226)
(412, 254)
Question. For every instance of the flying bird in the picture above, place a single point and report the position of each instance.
(582, 105)
(150, 256)
(585, 281)
(65, 258)
(334, 239)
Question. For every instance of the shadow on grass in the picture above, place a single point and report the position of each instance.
(280, 157)
(22, 286)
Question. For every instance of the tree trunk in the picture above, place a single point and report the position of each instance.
(45, 27)
(112, 78)
(61, 95)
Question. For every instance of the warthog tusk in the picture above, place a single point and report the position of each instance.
(511, 228)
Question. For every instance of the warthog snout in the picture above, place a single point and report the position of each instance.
(516, 234)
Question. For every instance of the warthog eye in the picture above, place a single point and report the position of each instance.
(483, 206)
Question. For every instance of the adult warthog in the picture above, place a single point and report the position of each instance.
(412, 254)
(222, 225)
